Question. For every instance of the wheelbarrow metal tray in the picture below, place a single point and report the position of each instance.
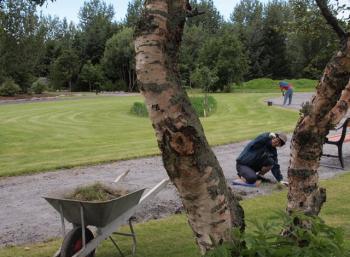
(97, 214)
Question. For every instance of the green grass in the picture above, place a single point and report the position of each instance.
(269, 85)
(50, 135)
(198, 104)
(96, 192)
(140, 109)
(172, 236)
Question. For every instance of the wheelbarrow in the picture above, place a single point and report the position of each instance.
(105, 216)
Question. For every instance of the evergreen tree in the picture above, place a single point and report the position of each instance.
(96, 28)
(133, 13)
(92, 75)
(21, 42)
(193, 39)
(274, 55)
(247, 19)
(119, 58)
(224, 54)
(64, 70)
(211, 20)
(312, 42)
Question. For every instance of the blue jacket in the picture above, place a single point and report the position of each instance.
(260, 152)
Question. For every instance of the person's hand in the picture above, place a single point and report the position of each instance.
(285, 183)
(272, 135)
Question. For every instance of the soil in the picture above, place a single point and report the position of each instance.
(26, 217)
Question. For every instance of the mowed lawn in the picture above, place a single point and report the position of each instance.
(172, 236)
(50, 135)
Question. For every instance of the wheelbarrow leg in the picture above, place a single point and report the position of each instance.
(82, 224)
(63, 231)
(62, 222)
(132, 235)
(116, 246)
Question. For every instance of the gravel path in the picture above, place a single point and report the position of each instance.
(26, 217)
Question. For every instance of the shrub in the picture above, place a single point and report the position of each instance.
(119, 85)
(198, 103)
(266, 240)
(269, 85)
(9, 88)
(38, 87)
(139, 109)
(227, 88)
(108, 86)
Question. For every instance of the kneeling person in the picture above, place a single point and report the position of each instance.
(259, 157)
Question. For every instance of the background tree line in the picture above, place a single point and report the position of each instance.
(259, 40)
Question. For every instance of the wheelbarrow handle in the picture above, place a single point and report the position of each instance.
(155, 190)
(121, 176)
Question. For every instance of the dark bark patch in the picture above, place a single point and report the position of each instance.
(159, 13)
(301, 173)
(305, 108)
(213, 191)
(310, 189)
(198, 235)
(214, 224)
(154, 62)
(319, 198)
(149, 43)
(145, 25)
(169, 123)
(212, 175)
(221, 207)
(307, 137)
(155, 107)
(191, 198)
(153, 87)
(182, 144)
(343, 106)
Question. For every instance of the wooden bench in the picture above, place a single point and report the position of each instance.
(338, 140)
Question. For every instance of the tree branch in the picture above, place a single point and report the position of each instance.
(192, 12)
(331, 20)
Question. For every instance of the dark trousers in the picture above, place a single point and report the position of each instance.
(247, 173)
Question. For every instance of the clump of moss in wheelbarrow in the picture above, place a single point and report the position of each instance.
(96, 192)
(100, 206)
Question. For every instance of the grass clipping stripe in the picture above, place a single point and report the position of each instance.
(96, 192)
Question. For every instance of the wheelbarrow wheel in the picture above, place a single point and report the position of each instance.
(73, 242)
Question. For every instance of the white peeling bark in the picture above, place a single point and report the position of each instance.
(327, 107)
(189, 161)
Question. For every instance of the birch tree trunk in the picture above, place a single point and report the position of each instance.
(211, 207)
(326, 109)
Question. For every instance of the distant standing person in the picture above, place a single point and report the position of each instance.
(287, 91)
(259, 157)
